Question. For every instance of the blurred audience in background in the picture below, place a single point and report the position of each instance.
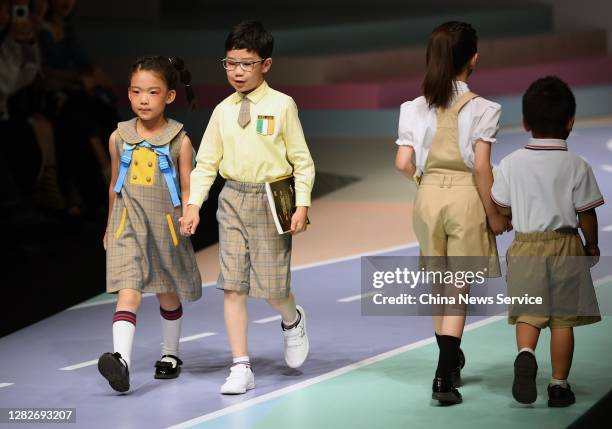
(57, 110)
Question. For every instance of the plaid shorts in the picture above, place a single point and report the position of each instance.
(254, 258)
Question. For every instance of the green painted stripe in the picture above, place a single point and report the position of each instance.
(395, 393)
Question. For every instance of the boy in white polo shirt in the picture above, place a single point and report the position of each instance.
(551, 193)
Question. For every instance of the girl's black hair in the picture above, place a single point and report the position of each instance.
(450, 48)
(171, 69)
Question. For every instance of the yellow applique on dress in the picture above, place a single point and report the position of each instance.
(142, 171)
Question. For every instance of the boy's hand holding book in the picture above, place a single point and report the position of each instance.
(299, 220)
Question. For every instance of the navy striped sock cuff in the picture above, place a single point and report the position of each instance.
(171, 314)
(126, 316)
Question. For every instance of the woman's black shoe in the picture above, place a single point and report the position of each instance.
(165, 370)
(114, 368)
(444, 392)
(456, 377)
(456, 373)
(560, 396)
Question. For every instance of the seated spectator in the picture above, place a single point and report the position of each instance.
(19, 117)
(81, 103)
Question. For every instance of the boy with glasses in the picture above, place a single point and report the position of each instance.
(254, 136)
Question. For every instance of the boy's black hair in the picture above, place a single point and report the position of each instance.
(548, 106)
(252, 36)
(170, 69)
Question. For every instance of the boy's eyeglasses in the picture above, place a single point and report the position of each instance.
(247, 66)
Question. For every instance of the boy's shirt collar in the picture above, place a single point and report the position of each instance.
(254, 96)
(546, 144)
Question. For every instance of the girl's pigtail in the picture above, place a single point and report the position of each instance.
(185, 78)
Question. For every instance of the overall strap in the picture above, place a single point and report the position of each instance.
(462, 101)
(445, 154)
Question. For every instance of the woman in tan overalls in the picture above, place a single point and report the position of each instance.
(444, 143)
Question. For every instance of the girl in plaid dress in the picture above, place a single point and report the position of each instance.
(152, 158)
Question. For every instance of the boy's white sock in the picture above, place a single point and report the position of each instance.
(557, 382)
(124, 327)
(289, 325)
(242, 360)
(527, 349)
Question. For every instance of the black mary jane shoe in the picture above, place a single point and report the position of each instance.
(444, 392)
(165, 370)
(114, 368)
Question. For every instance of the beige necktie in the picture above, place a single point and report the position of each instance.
(244, 117)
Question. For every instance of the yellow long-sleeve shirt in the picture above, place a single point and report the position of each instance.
(272, 145)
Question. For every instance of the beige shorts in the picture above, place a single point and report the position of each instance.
(552, 265)
(254, 258)
(449, 220)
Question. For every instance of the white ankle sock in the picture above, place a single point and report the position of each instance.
(242, 360)
(297, 316)
(556, 382)
(527, 349)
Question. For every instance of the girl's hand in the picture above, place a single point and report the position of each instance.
(499, 224)
(298, 220)
(105, 239)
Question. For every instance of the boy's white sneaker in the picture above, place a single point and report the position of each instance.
(296, 342)
(240, 380)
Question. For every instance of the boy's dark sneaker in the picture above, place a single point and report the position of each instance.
(114, 368)
(444, 392)
(165, 370)
(524, 387)
(559, 396)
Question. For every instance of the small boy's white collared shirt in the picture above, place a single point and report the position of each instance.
(478, 120)
(546, 186)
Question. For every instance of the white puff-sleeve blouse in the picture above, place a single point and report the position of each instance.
(478, 120)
